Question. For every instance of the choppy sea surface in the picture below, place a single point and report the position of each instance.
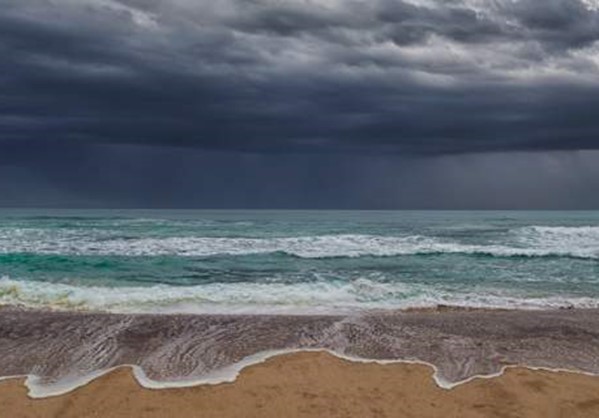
(296, 261)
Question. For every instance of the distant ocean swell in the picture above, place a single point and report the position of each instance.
(297, 262)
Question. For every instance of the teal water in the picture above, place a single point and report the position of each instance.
(296, 261)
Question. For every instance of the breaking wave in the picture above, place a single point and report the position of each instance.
(306, 297)
(535, 241)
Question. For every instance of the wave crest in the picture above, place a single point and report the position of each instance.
(305, 297)
(580, 242)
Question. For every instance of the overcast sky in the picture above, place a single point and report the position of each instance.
(300, 104)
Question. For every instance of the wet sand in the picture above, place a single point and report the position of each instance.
(320, 385)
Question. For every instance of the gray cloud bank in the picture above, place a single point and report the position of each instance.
(481, 103)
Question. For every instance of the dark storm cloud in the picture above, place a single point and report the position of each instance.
(384, 76)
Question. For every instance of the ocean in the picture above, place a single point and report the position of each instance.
(244, 261)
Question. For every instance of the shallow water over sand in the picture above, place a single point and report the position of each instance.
(63, 349)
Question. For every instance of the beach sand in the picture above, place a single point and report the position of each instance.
(321, 385)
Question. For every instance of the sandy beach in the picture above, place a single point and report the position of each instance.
(321, 385)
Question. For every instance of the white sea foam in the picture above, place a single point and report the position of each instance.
(346, 245)
(39, 390)
(581, 242)
(582, 239)
(306, 297)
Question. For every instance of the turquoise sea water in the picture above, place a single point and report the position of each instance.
(296, 261)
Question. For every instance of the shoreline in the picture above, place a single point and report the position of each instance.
(317, 384)
(460, 345)
(237, 369)
(334, 312)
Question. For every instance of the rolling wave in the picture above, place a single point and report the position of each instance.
(559, 236)
(302, 297)
(536, 241)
